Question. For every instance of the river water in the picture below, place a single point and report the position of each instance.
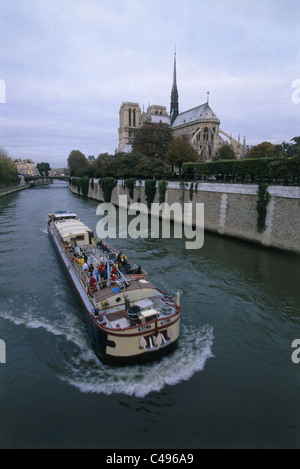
(231, 383)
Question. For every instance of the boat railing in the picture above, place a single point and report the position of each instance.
(109, 254)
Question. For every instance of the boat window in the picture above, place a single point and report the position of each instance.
(118, 299)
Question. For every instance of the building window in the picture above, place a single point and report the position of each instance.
(129, 116)
(134, 118)
(205, 137)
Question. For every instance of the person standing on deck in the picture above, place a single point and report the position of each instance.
(127, 302)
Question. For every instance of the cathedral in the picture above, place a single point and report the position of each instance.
(200, 124)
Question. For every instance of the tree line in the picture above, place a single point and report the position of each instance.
(156, 153)
(264, 162)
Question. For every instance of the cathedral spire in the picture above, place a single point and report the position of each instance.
(174, 108)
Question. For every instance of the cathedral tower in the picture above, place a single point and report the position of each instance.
(174, 108)
(130, 121)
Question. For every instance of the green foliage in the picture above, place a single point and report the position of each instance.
(81, 184)
(263, 150)
(130, 183)
(191, 191)
(284, 163)
(76, 162)
(162, 187)
(240, 167)
(43, 168)
(285, 168)
(152, 140)
(150, 191)
(84, 185)
(225, 152)
(261, 206)
(8, 171)
(107, 185)
(180, 151)
(124, 166)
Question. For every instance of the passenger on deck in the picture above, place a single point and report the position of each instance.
(127, 268)
(138, 270)
(127, 302)
(96, 273)
(93, 283)
(120, 257)
(101, 269)
(104, 247)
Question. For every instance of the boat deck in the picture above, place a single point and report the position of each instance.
(104, 293)
(108, 295)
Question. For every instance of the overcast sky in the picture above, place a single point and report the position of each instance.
(69, 64)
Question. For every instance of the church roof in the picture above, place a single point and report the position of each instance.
(202, 112)
(156, 118)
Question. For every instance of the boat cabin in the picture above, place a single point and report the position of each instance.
(74, 232)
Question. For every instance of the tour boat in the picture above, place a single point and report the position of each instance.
(128, 319)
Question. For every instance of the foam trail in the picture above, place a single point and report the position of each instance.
(93, 377)
(70, 328)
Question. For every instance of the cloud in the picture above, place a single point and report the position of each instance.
(68, 65)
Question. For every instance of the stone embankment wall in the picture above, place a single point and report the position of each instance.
(10, 190)
(230, 209)
(20, 187)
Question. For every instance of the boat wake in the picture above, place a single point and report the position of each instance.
(88, 375)
(80, 368)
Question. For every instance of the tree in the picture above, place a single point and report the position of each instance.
(152, 140)
(105, 165)
(225, 152)
(43, 168)
(289, 149)
(126, 163)
(181, 151)
(8, 170)
(263, 150)
(76, 161)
